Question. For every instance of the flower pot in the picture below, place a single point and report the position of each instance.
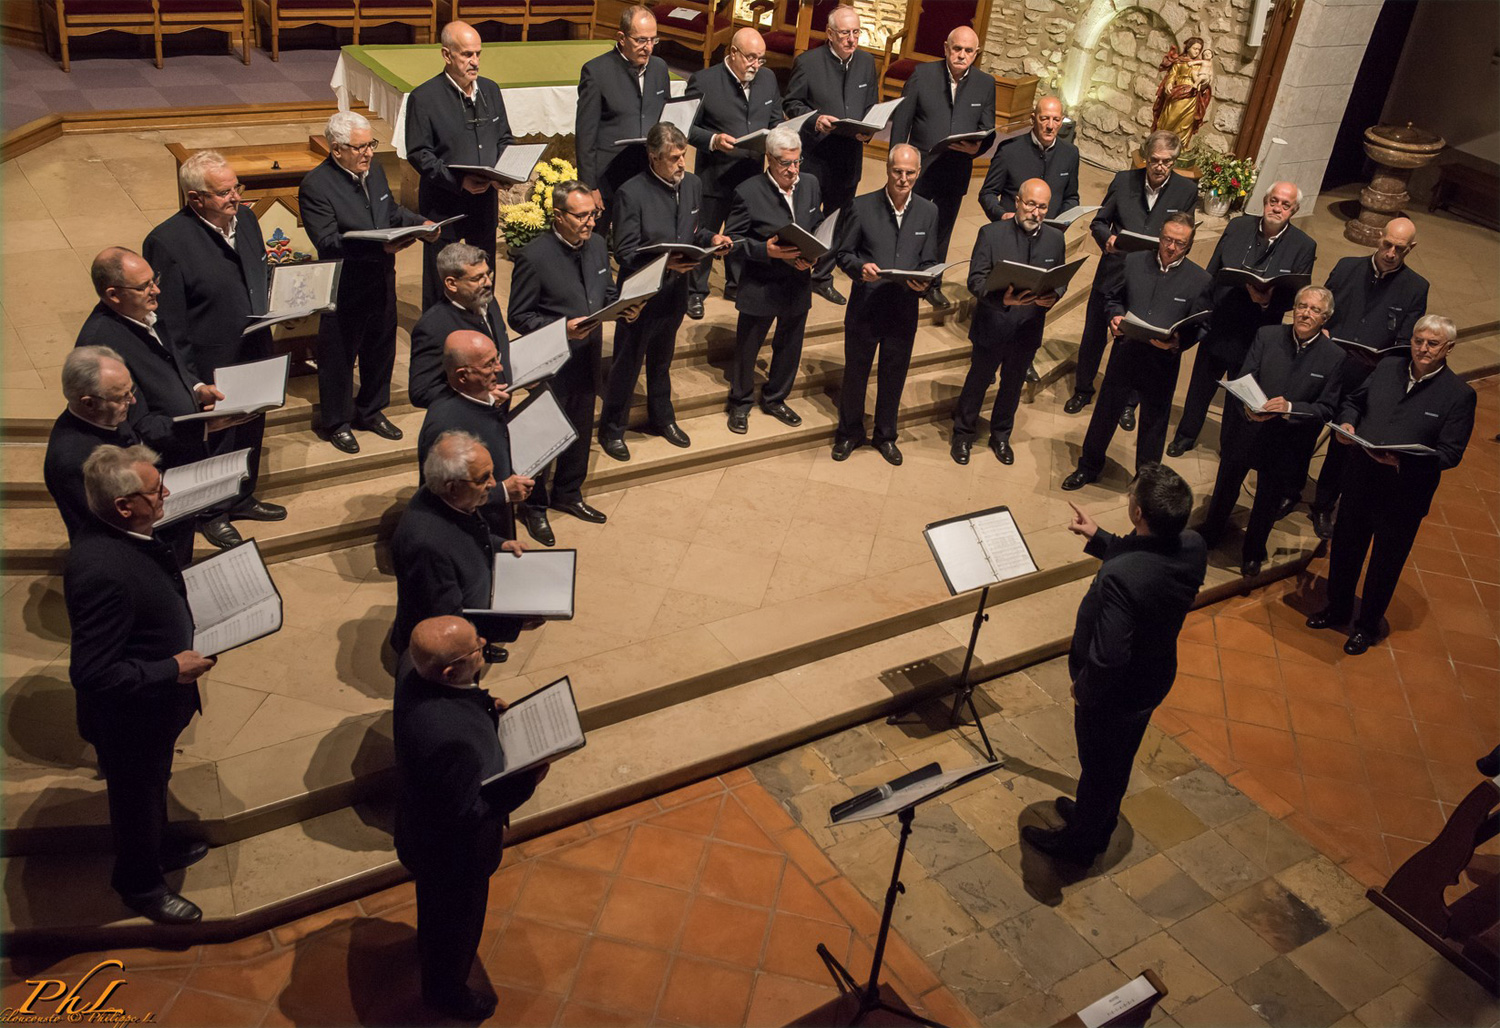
(1216, 205)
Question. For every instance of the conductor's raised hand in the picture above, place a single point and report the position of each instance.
(1082, 524)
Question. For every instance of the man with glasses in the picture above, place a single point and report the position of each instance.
(456, 117)
(1269, 245)
(210, 260)
(1299, 368)
(1038, 154)
(468, 303)
(1007, 327)
(621, 95)
(942, 99)
(348, 192)
(99, 393)
(735, 98)
(1139, 200)
(837, 80)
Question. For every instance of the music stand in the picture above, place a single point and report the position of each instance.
(900, 796)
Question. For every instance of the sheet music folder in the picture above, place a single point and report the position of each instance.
(536, 584)
(232, 599)
(539, 431)
(538, 729)
(974, 551)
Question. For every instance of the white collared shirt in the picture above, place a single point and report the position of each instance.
(953, 83)
(1152, 195)
(359, 177)
(90, 421)
(744, 84)
(1412, 381)
(788, 195)
(228, 237)
(563, 240)
(1168, 267)
(1272, 239)
(473, 93)
(1381, 274)
(899, 212)
(638, 73)
(484, 315)
(488, 401)
(1039, 146)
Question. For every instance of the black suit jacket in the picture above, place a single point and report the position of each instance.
(995, 324)
(425, 380)
(451, 412)
(441, 130)
(71, 441)
(1124, 652)
(820, 83)
(332, 203)
(930, 115)
(1236, 317)
(551, 280)
(612, 107)
(1309, 380)
(1020, 159)
(444, 561)
(208, 291)
(648, 211)
(1124, 208)
(769, 286)
(1375, 312)
(868, 234)
(1161, 297)
(722, 108)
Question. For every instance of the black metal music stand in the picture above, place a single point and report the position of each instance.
(963, 689)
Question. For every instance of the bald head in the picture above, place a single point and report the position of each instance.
(843, 31)
(1396, 242)
(747, 52)
(471, 363)
(440, 647)
(461, 49)
(1032, 199)
(902, 166)
(1046, 119)
(960, 49)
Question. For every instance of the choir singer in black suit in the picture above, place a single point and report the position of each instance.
(777, 282)
(456, 117)
(621, 95)
(941, 99)
(1124, 655)
(450, 826)
(1161, 288)
(837, 80)
(1379, 300)
(134, 669)
(1038, 154)
(1386, 495)
(1007, 327)
(1299, 369)
(348, 192)
(1139, 200)
(1268, 245)
(468, 303)
(735, 98)
(892, 228)
(99, 392)
(210, 262)
(663, 204)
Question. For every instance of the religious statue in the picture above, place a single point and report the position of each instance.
(1185, 90)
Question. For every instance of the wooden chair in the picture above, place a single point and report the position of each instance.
(421, 15)
(928, 23)
(228, 16)
(475, 12)
(791, 27)
(295, 14)
(710, 26)
(574, 12)
(70, 18)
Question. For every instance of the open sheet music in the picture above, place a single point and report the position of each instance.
(537, 355)
(638, 288)
(931, 274)
(1244, 276)
(1127, 241)
(247, 388)
(537, 729)
(677, 112)
(874, 120)
(536, 584)
(810, 245)
(516, 164)
(1029, 277)
(1373, 351)
(1068, 217)
(902, 792)
(999, 140)
(1138, 328)
(201, 484)
(755, 141)
(959, 137)
(299, 291)
(1122, 1001)
(1248, 391)
(539, 431)
(232, 598)
(980, 549)
(690, 250)
(1415, 449)
(396, 235)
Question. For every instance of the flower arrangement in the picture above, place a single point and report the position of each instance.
(522, 222)
(1224, 176)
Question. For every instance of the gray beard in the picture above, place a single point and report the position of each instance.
(480, 304)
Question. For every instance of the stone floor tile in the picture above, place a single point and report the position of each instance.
(1343, 970)
(1209, 796)
(1222, 943)
(1278, 916)
(1265, 840)
(1400, 1006)
(850, 752)
(1160, 817)
(1038, 1008)
(1163, 757)
(940, 839)
(930, 919)
(1188, 979)
(1221, 1008)
(1453, 994)
(987, 889)
(1162, 889)
(983, 973)
(1325, 888)
(1389, 943)
(1045, 945)
(1216, 865)
(993, 813)
(866, 861)
(1105, 917)
(1286, 997)
(1090, 984)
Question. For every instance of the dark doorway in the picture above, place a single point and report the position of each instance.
(1371, 87)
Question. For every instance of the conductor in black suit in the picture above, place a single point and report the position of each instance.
(450, 826)
(1124, 655)
(456, 117)
(1268, 245)
(1038, 154)
(475, 401)
(210, 263)
(891, 228)
(1007, 327)
(1139, 200)
(945, 98)
(621, 95)
(663, 204)
(1299, 369)
(777, 283)
(348, 192)
(468, 303)
(735, 98)
(134, 669)
(1386, 495)
(837, 80)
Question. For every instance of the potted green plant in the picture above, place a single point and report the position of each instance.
(1224, 180)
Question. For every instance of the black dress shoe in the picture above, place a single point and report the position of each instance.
(537, 525)
(1358, 643)
(1003, 452)
(1250, 569)
(829, 293)
(739, 421)
(1322, 522)
(582, 511)
(1077, 480)
(380, 425)
(258, 510)
(168, 908)
(1286, 506)
(1177, 447)
(1127, 419)
(1066, 807)
(1056, 843)
(890, 451)
(731, 293)
(934, 296)
(1076, 403)
(220, 532)
(616, 448)
(673, 433)
(343, 439)
(959, 450)
(463, 1005)
(184, 855)
(782, 413)
(1327, 618)
(1031, 376)
(695, 308)
(843, 447)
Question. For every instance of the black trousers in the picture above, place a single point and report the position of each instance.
(1270, 486)
(712, 213)
(1370, 525)
(479, 227)
(627, 164)
(786, 356)
(860, 348)
(450, 920)
(247, 436)
(948, 202)
(1135, 369)
(838, 192)
(1352, 374)
(363, 329)
(1207, 370)
(574, 386)
(1011, 361)
(1107, 743)
(650, 340)
(1091, 344)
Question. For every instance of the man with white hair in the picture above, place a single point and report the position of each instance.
(348, 192)
(1269, 246)
(99, 391)
(776, 286)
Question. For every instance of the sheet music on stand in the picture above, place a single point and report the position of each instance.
(203, 483)
(538, 728)
(539, 431)
(902, 792)
(978, 550)
(232, 599)
(536, 584)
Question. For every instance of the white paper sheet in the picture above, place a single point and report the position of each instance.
(537, 355)
(256, 386)
(538, 583)
(539, 728)
(538, 433)
(192, 487)
(232, 599)
(979, 552)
